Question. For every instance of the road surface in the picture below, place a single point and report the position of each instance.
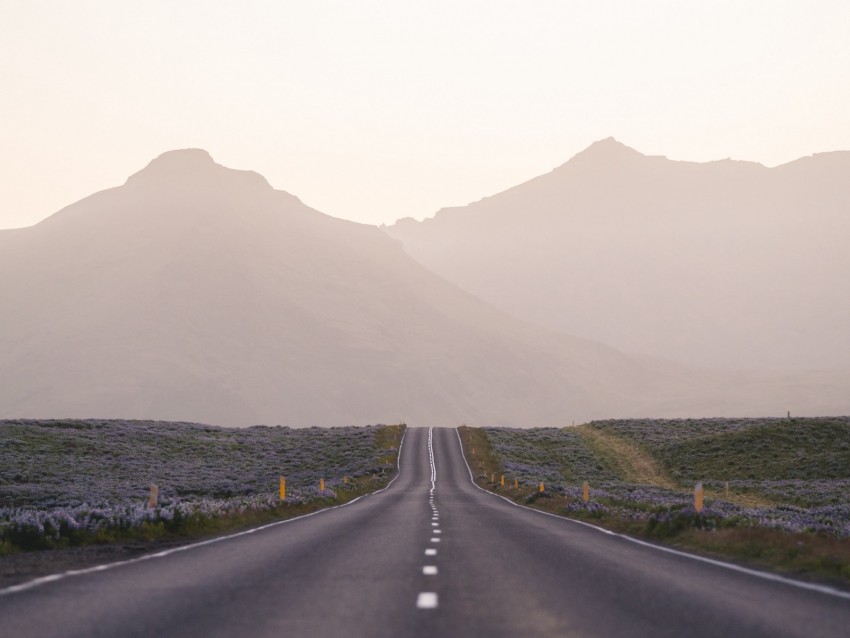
(432, 555)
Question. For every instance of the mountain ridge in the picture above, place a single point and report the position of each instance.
(638, 230)
(218, 299)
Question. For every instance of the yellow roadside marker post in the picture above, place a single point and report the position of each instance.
(585, 489)
(322, 486)
(282, 488)
(516, 484)
(541, 487)
(698, 498)
(154, 497)
(503, 480)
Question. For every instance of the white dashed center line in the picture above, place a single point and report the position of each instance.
(427, 600)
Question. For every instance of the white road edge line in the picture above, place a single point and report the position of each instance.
(822, 589)
(31, 584)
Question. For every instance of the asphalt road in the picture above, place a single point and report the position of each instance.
(432, 555)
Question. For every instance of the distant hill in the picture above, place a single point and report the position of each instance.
(196, 292)
(724, 264)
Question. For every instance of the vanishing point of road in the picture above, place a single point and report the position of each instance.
(431, 555)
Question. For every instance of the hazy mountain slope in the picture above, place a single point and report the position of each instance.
(198, 292)
(725, 264)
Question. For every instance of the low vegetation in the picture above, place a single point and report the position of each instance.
(66, 482)
(776, 489)
(744, 449)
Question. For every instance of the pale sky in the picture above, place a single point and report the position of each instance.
(373, 111)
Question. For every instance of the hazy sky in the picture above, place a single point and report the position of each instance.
(377, 110)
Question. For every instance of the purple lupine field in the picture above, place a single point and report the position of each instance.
(61, 478)
(788, 474)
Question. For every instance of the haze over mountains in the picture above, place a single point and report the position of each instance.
(724, 264)
(200, 293)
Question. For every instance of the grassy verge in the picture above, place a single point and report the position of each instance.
(198, 526)
(804, 555)
(480, 456)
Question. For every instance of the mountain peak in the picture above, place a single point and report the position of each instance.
(191, 166)
(609, 148)
(184, 160)
(602, 155)
(609, 154)
(184, 157)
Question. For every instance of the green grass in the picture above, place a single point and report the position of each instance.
(388, 438)
(790, 450)
(804, 555)
(479, 454)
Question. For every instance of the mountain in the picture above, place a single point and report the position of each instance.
(196, 292)
(727, 264)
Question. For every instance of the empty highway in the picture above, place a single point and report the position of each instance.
(431, 555)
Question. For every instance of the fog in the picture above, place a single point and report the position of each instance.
(197, 292)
